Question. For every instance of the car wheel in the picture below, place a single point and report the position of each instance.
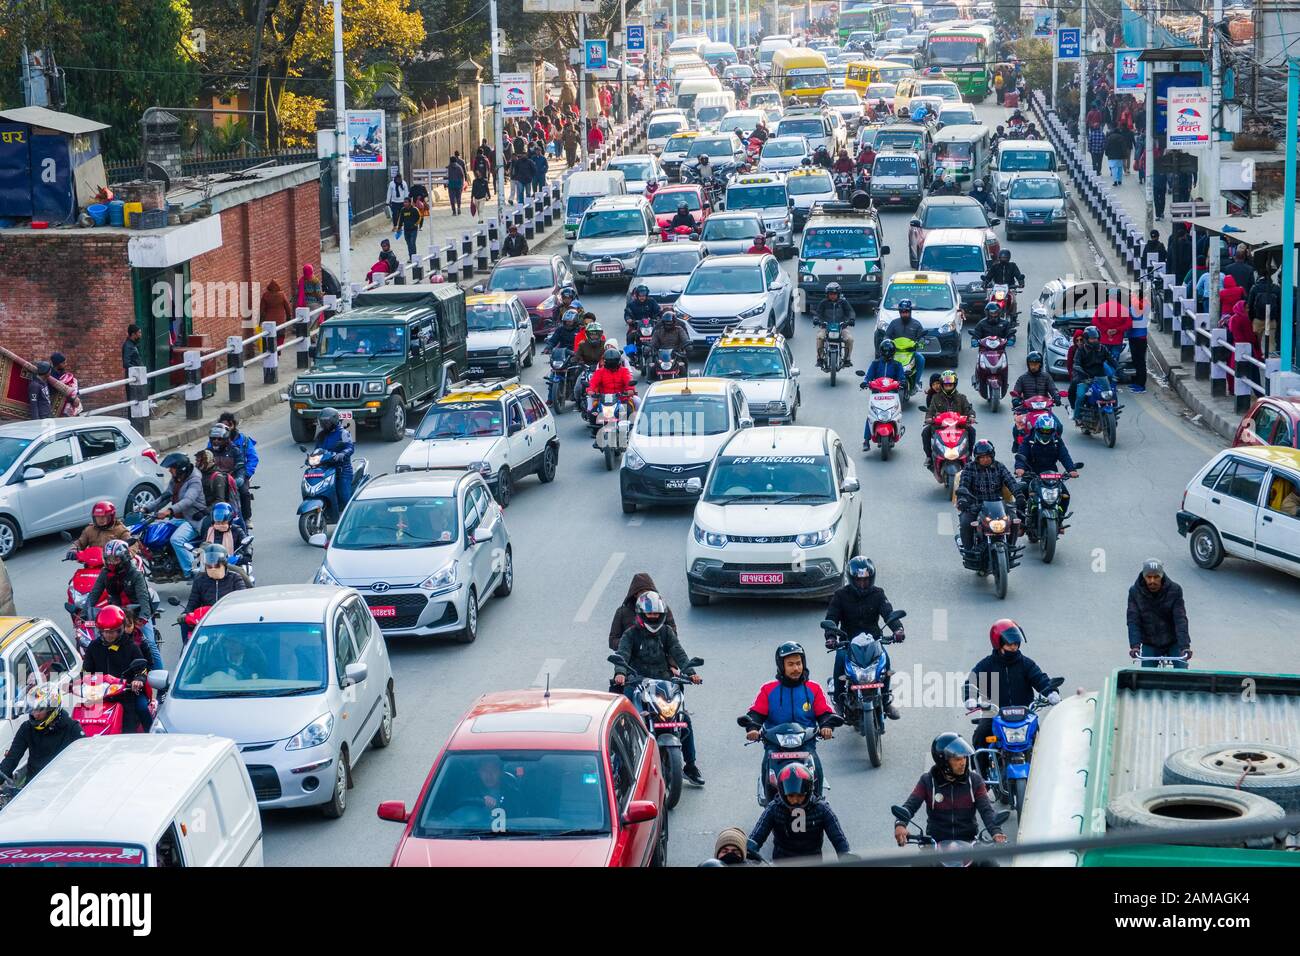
(660, 857)
(469, 632)
(505, 489)
(338, 802)
(392, 427)
(138, 498)
(384, 735)
(528, 356)
(1206, 547)
(550, 458)
(10, 538)
(507, 575)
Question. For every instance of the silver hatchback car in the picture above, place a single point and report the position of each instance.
(299, 677)
(53, 471)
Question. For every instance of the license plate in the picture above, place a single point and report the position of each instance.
(777, 578)
(383, 611)
(865, 686)
(790, 755)
(607, 267)
(669, 724)
(675, 484)
(314, 475)
(474, 370)
(711, 338)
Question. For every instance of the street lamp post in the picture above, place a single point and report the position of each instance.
(496, 120)
(341, 157)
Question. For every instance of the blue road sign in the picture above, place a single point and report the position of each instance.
(1068, 43)
(597, 54)
(635, 38)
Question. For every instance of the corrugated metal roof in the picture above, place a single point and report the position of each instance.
(1154, 718)
(52, 119)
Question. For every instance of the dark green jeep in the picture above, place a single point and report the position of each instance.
(397, 347)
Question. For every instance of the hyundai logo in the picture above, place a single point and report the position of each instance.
(380, 586)
(676, 469)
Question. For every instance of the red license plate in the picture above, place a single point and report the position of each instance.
(865, 686)
(669, 725)
(790, 755)
(777, 578)
(383, 611)
(607, 267)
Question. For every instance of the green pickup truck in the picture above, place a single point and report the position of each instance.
(397, 348)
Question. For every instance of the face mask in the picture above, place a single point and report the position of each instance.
(217, 572)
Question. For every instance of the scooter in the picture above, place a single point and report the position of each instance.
(1026, 413)
(884, 414)
(905, 355)
(320, 506)
(784, 744)
(1044, 512)
(100, 700)
(679, 234)
(1004, 296)
(1009, 749)
(1100, 410)
(645, 353)
(663, 709)
(843, 185)
(832, 353)
(990, 379)
(994, 550)
(948, 448)
(78, 593)
(187, 622)
(612, 426)
(920, 839)
(866, 663)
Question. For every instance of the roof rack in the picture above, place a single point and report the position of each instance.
(483, 384)
(839, 207)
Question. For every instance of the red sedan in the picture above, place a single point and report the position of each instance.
(949, 212)
(569, 779)
(1272, 420)
(537, 280)
(667, 198)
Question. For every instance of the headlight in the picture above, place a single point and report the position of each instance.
(808, 277)
(548, 304)
(947, 327)
(1060, 342)
(710, 539)
(998, 525)
(950, 454)
(789, 740)
(442, 579)
(814, 539)
(683, 315)
(1059, 213)
(912, 187)
(750, 313)
(313, 735)
(667, 708)
(484, 468)
(374, 388)
(632, 460)
(579, 257)
(505, 350)
(301, 388)
(323, 576)
(1050, 494)
(777, 408)
(1016, 735)
(1016, 214)
(975, 287)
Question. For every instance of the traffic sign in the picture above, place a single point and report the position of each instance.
(635, 38)
(597, 54)
(1068, 43)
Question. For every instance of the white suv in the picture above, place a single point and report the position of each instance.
(727, 291)
(778, 517)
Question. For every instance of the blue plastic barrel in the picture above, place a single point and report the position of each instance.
(115, 212)
(98, 213)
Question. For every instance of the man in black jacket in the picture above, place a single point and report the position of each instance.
(1157, 617)
(798, 820)
(214, 584)
(514, 244)
(953, 792)
(835, 309)
(983, 480)
(1006, 678)
(42, 737)
(858, 608)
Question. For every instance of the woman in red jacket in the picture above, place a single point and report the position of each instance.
(1230, 295)
(612, 378)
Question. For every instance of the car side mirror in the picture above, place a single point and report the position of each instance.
(884, 250)
(791, 202)
(33, 473)
(408, 432)
(481, 535)
(694, 485)
(311, 350)
(393, 810)
(318, 540)
(746, 423)
(794, 372)
(159, 680)
(479, 288)
(849, 485)
(640, 811)
(355, 673)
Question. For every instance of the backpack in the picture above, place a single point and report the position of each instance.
(1268, 302)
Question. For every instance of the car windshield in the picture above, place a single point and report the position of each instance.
(745, 362)
(899, 139)
(633, 170)
(764, 100)
(756, 197)
(612, 222)
(811, 184)
(895, 166)
(514, 794)
(767, 478)
(262, 659)
(719, 227)
(739, 69)
(1015, 160)
(518, 278)
(661, 128)
(667, 203)
(742, 122)
(777, 148)
(881, 91)
(379, 524)
(841, 99)
(676, 262)
(962, 216)
(10, 449)
(489, 317)
(955, 51)
(713, 147)
(815, 80)
(1036, 189)
(343, 338)
(710, 114)
(892, 74)
(811, 128)
(461, 420)
(953, 150)
(839, 242)
(578, 205)
(726, 280)
(683, 415)
(943, 257)
(678, 144)
(947, 91)
(957, 117)
(925, 296)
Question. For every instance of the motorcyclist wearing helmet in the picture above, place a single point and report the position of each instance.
(703, 171)
(760, 132)
(884, 365)
(592, 347)
(995, 322)
(1006, 678)
(248, 445)
(984, 479)
(1040, 452)
(218, 486)
(906, 326)
(639, 306)
(944, 185)
(183, 505)
(860, 607)
(799, 820)
(790, 698)
(983, 196)
(568, 300)
(760, 246)
(953, 792)
(228, 456)
(125, 585)
(683, 217)
(651, 649)
(822, 157)
(222, 528)
(1005, 272)
(114, 653)
(670, 334)
(1091, 360)
(103, 528)
(565, 333)
(612, 377)
(334, 448)
(844, 163)
(946, 399)
(1035, 381)
(835, 308)
(216, 581)
(43, 735)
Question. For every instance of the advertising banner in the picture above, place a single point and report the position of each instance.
(366, 142)
(1189, 117)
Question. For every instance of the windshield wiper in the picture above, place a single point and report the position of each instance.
(290, 692)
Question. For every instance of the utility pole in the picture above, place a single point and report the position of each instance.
(1083, 73)
(1149, 146)
(341, 170)
(582, 88)
(672, 27)
(622, 62)
(749, 26)
(1212, 174)
(1056, 43)
(498, 174)
(1287, 319)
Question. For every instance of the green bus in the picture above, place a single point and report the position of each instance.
(871, 17)
(964, 55)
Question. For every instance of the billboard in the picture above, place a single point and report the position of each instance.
(1189, 117)
(1130, 72)
(516, 94)
(366, 143)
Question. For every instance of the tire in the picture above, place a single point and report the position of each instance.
(10, 538)
(559, 399)
(947, 485)
(1264, 769)
(338, 802)
(505, 489)
(995, 399)
(1000, 572)
(313, 522)
(1170, 808)
(532, 351)
(384, 735)
(1018, 796)
(698, 598)
(629, 507)
(300, 429)
(875, 748)
(137, 498)
(392, 427)
(507, 583)
(1206, 547)
(550, 459)
(672, 776)
(1010, 235)
(1048, 540)
(1108, 430)
(469, 632)
(610, 457)
(886, 446)
(579, 287)
(833, 370)
(660, 856)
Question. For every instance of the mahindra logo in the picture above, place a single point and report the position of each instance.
(380, 586)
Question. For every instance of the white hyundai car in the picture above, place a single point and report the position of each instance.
(726, 292)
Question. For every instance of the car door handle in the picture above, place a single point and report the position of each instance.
(1216, 501)
(1268, 519)
(124, 461)
(70, 475)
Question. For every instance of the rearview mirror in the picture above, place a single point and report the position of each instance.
(481, 535)
(884, 250)
(699, 662)
(318, 540)
(1001, 817)
(33, 473)
(393, 810)
(174, 601)
(640, 811)
(746, 423)
(849, 485)
(995, 222)
(900, 814)
(694, 485)
(479, 288)
(159, 680)
(66, 535)
(616, 659)
(355, 673)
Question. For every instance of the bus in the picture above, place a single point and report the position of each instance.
(905, 15)
(873, 18)
(800, 72)
(950, 10)
(964, 56)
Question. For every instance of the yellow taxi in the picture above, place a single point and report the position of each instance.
(32, 651)
(500, 335)
(764, 366)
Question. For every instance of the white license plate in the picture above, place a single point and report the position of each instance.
(384, 611)
(776, 578)
(790, 755)
(675, 484)
(865, 686)
(474, 370)
(669, 724)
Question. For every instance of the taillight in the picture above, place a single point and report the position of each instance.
(151, 455)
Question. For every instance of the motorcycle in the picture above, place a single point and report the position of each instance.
(784, 744)
(919, 838)
(560, 381)
(79, 588)
(611, 425)
(1044, 510)
(645, 353)
(866, 664)
(662, 706)
(187, 622)
(991, 370)
(905, 355)
(884, 413)
(1027, 412)
(99, 700)
(320, 506)
(155, 537)
(832, 354)
(668, 365)
(843, 185)
(1009, 749)
(679, 234)
(994, 550)
(949, 449)
(1004, 297)
(1100, 410)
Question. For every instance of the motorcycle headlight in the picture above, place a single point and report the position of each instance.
(1050, 494)
(950, 454)
(632, 460)
(1016, 735)
(313, 735)
(789, 740)
(323, 576)
(751, 313)
(710, 539)
(443, 579)
(667, 708)
(301, 389)
(857, 673)
(374, 388)
(814, 539)
(998, 525)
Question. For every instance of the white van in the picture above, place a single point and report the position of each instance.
(692, 87)
(1013, 156)
(583, 188)
(136, 800)
(769, 45)
(710, 108)
(688, 44)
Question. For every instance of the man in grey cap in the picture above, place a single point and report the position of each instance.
(1157, 617)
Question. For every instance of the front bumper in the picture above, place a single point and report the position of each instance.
(417, 613)
(486, 366)
(889, 197)
(819, 578)
(856, 291)
(597, 270)
(1057, 227)
(651, 485)
(276, 784)
(362, 411)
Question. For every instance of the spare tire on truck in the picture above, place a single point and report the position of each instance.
(1266, 769)
(1172, 808)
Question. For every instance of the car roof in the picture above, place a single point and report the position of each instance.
(955, 237)
(12, 628)
(736, 259)
(1026, 144)
(526, 261)
(281, 603)
(679, 188)
(689, 386)
(616, 202)
(922, 277)
(476, 391)
(624, 157)
(413, 484)
(1037, 174)
(750, 338)
(950, 201)
(40, 428)
(670, 248)
(490, 298)
(734, 214)
(779, 440)
(1268, 454)
(535, 719)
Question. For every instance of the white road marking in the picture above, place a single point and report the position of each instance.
(939, 625)
(550, 667)
(944, 524)
(597, 587)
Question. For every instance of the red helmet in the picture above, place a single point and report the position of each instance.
(1005, 631)
(105, 509)
(109, 617)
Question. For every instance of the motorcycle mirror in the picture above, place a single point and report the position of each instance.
(699, 662)
(303, 449)
(65, 535)
(174, 601)
(900, 814)
(1055, 683)
(1078, 466)
(896, 616)
(860, 373)
(995, 222)
(69, 607)
(830, 626)
(743, 721)
(884, 250)
(833, 720)
(1001, 817)
(139, 664)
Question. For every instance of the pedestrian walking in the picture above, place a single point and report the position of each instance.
(1096, 144)
(569, 139)
(274, 305)
(398, 193)
(72, 400)
(479, 191)
(1137, 345)
(540, 169)
(409, 222)
(310, 293)
(456, 175)
(521, 176)
(1119, 144)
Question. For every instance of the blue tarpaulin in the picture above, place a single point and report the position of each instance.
(1135, 31)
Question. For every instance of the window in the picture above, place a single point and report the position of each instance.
(1263, 421)
(23, 677)
(841, 463)
(516, 414)
(1283, 495)
(1283, 436)
(345, 652)
(50, 655)
(634, 736)
(483, 501)
(100, 441)
(534, 410)
(621, 767)
(471, 513)
(52, 456)
(359, 617)
(770, 272)
(168, 850)
(1242, 479)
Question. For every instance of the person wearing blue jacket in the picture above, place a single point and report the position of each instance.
(336, 447)
(883, 365)
(540, 168)
(1040, 452)
(248, 446)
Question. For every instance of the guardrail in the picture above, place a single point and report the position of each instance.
(455, 260)
(1176, 315)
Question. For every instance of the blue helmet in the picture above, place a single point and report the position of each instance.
(222, 511)
(1091, 334)
(1045, 429)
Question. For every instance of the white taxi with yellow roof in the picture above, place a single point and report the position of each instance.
(678, 429)
(500, 339)
(32, 651)
(808, 186)
(675, 149)
(764, 366)
(500, 429)
(936, 304)
(766, 195)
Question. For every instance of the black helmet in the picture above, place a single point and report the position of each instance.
(795, 780)
(1092, 334)
(984, 447)
(833, 287)
(862, 567)
(992, 310)
(1032, 357)
(888, 349)
(568, 292)
(1004, 255)
(641, 290)
(329, 419)
(667, 317)
(683, 207)
(181, 462)
(904, 305)
(948, 745)
(790, 649)
(613, 359)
